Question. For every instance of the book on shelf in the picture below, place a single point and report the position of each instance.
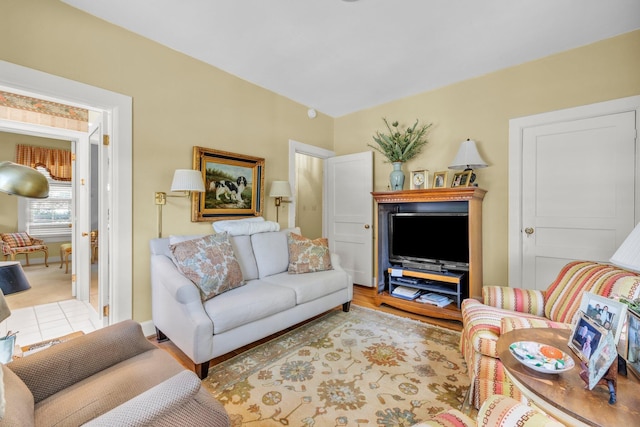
(406, 292)
(435, 299)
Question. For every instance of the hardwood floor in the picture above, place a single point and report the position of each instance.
(362, 296)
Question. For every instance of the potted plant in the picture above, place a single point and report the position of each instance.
(400, 145)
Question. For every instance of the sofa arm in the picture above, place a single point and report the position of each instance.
(6, 249)
(515, 299)
(35, 241)
(176, 401)
(72, 361)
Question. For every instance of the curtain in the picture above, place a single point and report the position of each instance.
(54, 160)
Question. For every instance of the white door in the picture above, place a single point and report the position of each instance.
(91, 224)
(578, 187)
(349, 183)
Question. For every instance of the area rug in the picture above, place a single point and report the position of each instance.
(359, 368)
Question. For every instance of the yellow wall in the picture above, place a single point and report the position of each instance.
(178, 103)
(481, 108)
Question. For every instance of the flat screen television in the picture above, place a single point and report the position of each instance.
(430, 238)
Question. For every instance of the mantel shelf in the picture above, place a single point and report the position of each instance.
(429, 195)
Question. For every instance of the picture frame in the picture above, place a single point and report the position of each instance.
(632, 354)
(234, 185)
(440, 179)
(419, 180)
(461, 179)
(585, 336)
(603, 357)
(598, 307)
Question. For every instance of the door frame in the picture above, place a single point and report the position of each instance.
(296, 147)
(30, 82)
(517, 127)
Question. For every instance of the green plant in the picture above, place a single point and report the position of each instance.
(400, 145)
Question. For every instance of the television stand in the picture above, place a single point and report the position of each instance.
(457, 284)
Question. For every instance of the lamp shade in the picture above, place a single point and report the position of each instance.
(468, 157)
(628, 254)
(187, 180)
(12, 278)
(23, 181)
(280, 189)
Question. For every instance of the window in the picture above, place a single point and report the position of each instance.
(48, 218)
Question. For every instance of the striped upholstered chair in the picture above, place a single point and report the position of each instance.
(504, 309)
(22, 243)
(497, 411)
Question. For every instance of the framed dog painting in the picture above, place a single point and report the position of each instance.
(234, 185)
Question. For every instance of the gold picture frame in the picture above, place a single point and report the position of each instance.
(234, 185)
(461, 179)
(419, 180)
(440, 179)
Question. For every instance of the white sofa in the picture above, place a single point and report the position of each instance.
(270, 301)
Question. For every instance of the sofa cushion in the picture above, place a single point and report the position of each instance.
(308, 287)
(254, 301)
(271, 251)
(210, 263)
(19, 402)
(508, 324)
(244, 254)
(107, 389)
(306, 255)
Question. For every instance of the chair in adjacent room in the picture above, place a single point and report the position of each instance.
(22, 243)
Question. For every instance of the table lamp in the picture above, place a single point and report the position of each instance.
(12, 278)
(468, 158)
(628, 254)
(23, 181)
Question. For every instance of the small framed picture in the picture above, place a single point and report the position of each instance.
(633, 342)
(608, 313)
(440, 179)
(462, 179)
(419, 180)
(585, 336)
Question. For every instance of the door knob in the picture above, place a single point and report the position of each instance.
(85, 234)
(529, 231)
(366, 226)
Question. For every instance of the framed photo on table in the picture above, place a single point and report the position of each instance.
(607, 312)
(585, 336)
(234, 185)
(632, 341)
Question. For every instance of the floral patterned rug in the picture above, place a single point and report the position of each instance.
(362, 368)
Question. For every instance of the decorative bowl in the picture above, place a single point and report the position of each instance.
(541, 357)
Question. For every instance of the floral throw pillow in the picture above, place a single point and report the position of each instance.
(306, 255)
(210, 263)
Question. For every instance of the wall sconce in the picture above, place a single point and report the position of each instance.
(280, 189)
(185, 180)
(468, 158)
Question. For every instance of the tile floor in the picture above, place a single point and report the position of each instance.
(47, 321)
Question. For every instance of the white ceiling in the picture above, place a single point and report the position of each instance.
(342, 56)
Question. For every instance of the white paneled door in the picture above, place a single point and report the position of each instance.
(350, 212)
(578, 193)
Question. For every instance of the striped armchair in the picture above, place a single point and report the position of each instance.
(504, 309)
(497, 411)
(22, 243)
